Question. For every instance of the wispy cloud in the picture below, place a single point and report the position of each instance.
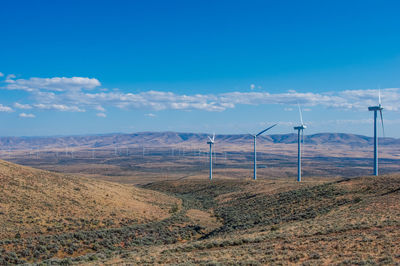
(101, 115)
(59, 107)
(51, 84)
(368, 121)
(100, 108)
(150, 115)
(22, 106)
(9, 78)
(4, 108)
(287, 123)
(1, 74)
(78, 94)
(24, 115)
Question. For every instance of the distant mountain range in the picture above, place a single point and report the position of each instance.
(174, 138)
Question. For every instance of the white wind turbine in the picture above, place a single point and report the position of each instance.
(375, 109)
(211, 143)
(300, 135)
(255, 149)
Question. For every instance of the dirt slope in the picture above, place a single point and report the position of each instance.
(341, 222)
(36, 202)
(279, 221)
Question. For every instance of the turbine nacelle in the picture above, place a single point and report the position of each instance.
(375, 108)
(300, 127)
(211, 140)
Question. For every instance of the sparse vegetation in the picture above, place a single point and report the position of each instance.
(340, 221)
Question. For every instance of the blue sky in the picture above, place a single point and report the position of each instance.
(84, 67)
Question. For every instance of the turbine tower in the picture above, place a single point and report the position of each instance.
(211, 143)
(300, 134)
(375, 109)
(255, 149)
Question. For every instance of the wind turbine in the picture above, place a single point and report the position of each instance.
(300, 134)
(375, 109)
(255, 149)
(211, 143)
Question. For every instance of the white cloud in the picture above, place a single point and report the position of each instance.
(286, 123)
(351, 121)
(252, 86)
(288, 109)
(52, 84)
(22, 106)
(71, 94)
(5, 109)
(58, 107)
(9, 78)
(24, 115)
(150, 115)
(159, 100)
(100, 108)
(1, 74)
(155, 100)
(101, 115)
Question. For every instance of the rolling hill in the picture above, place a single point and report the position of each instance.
(319, 222)
(276, 221)
(36, 202)
(157, 139)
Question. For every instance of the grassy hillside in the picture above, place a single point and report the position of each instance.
(276, 221)
(342, 222)
(35, 202)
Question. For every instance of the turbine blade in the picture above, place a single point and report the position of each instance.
(383, 127)
(265, 130)
(213, 137)
(301, 115)
(210, 138)
(379, 95)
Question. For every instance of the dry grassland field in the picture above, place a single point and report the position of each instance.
(128, 203)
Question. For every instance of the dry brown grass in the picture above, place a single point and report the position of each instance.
(36, 202)
(268, 221)
(365, 230)
(204, 219)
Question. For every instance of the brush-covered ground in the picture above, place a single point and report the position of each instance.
(37, 207)
(316, 222)
(230, 221)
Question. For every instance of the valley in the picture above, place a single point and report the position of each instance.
(319, 221)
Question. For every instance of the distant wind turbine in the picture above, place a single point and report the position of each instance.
(300, 135)
(211, 143)
(375, 109)
(255, 149)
